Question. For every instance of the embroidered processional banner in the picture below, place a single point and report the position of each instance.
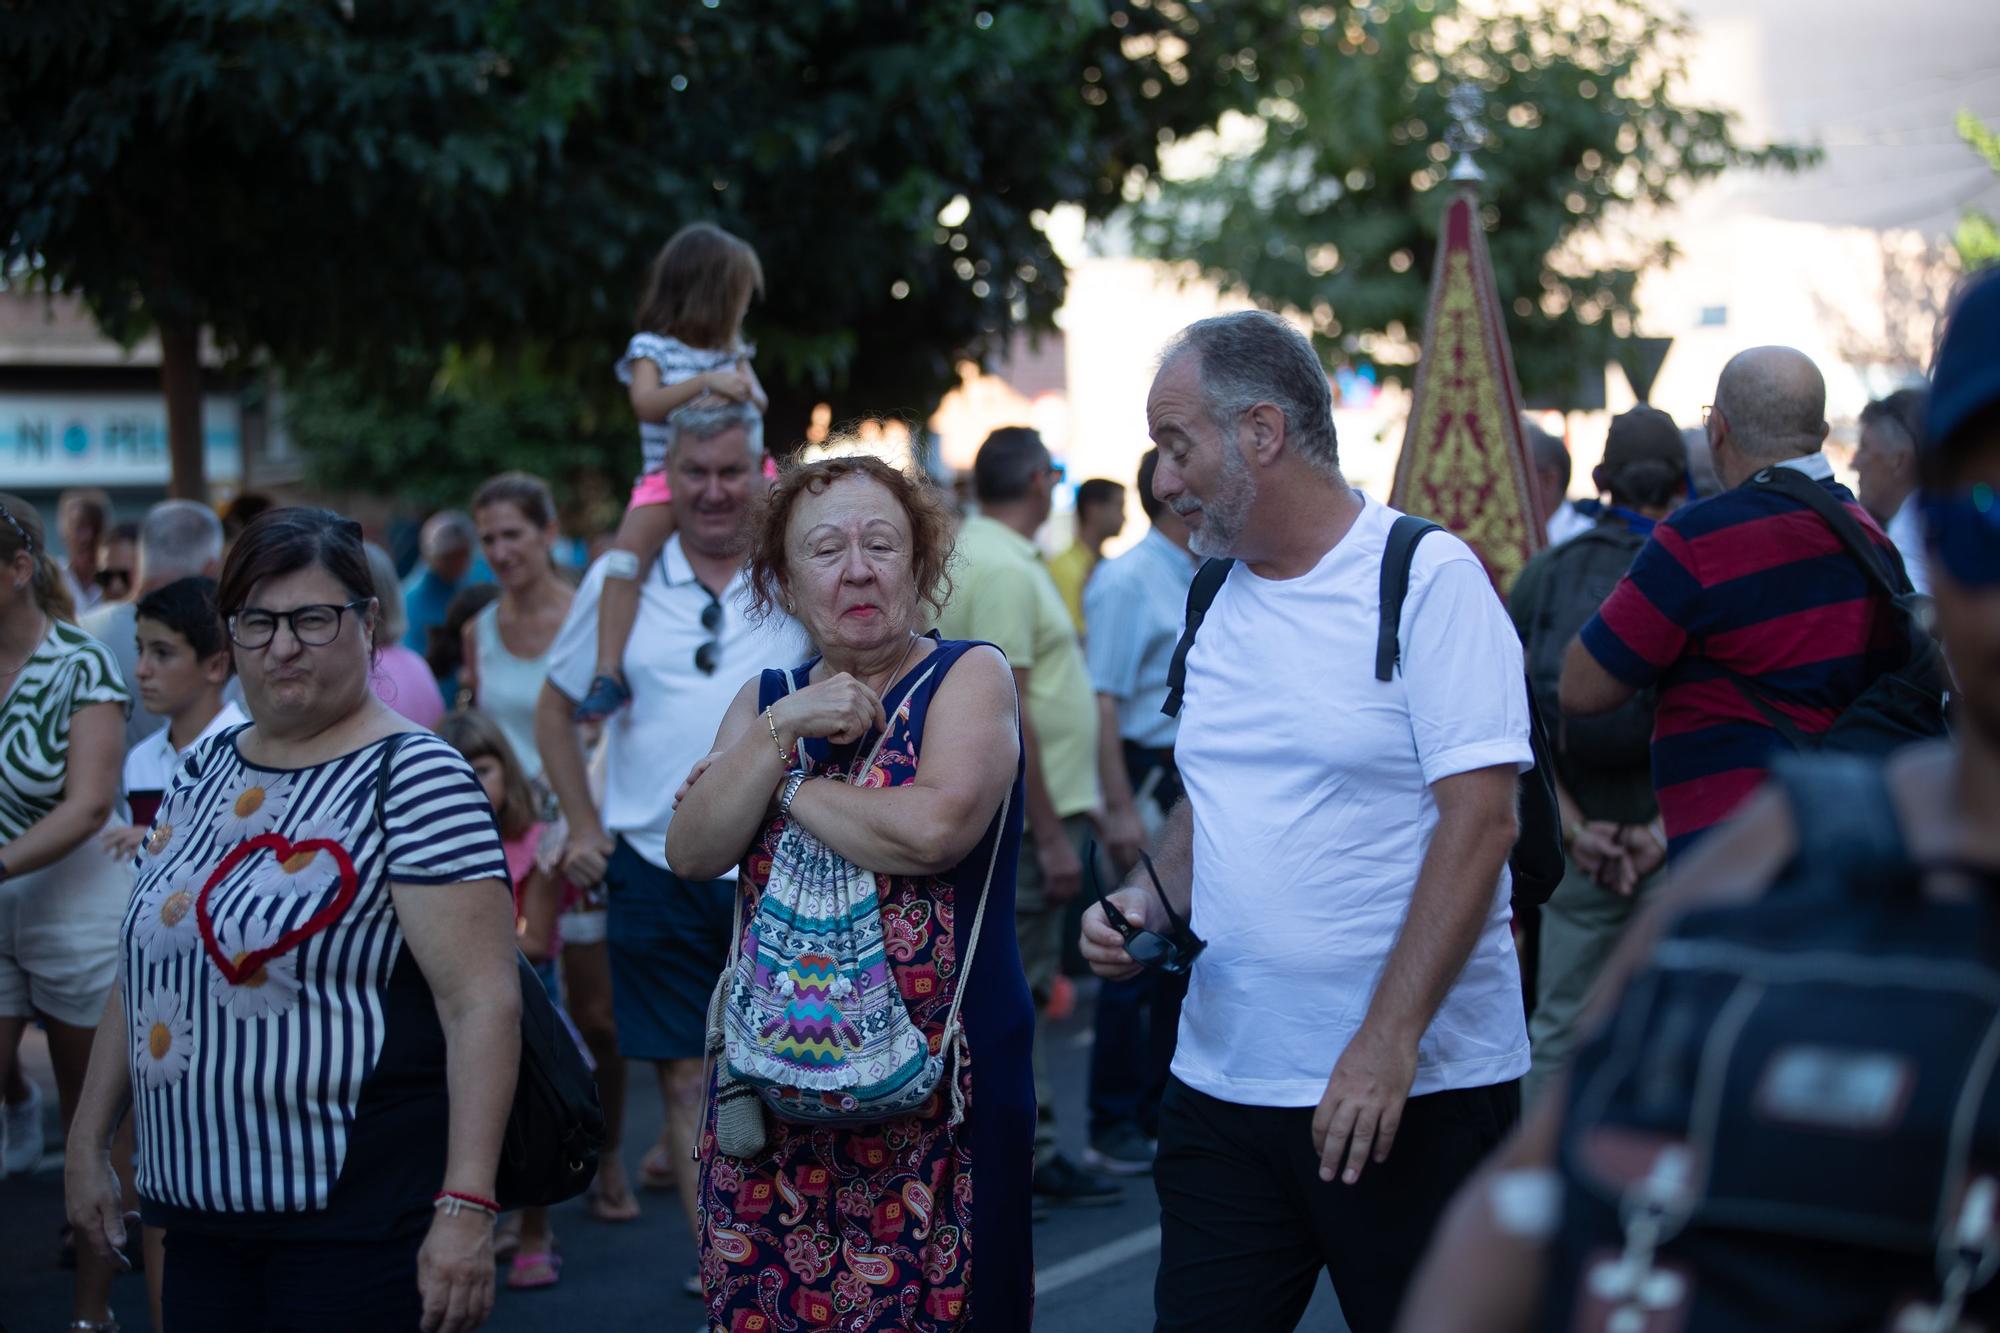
(1465, 462)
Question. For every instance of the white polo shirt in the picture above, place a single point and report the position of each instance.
(1310, 786)
(651, 743)
(149, 765)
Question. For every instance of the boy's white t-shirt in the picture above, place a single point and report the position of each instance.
(1310, 786)
(149, 765)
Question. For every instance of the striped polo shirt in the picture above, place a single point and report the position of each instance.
(283, 1040)
(1753, 583)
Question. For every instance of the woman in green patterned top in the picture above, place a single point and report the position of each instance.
(62, 733)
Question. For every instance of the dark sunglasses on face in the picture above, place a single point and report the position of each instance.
(709, 655)
(1173, 953)
(1962, 529)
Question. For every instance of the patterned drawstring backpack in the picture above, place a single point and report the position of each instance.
(809, 1019)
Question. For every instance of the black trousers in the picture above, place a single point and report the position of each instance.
(227, 1284)
(1246, 1224)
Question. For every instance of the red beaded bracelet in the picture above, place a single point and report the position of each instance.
(453, 1203)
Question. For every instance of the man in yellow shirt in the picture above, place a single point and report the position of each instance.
(1002, 594)
(1100, 516)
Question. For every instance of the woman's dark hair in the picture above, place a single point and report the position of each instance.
(444, 644)
(477, 736)
(929, 515)
(280, 541)
(187, 607)
(1646, 483)
(700, 283)
(525, 491)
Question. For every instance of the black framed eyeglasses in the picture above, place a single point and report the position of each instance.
(1172, 953)
(709, 655)
(314, 626)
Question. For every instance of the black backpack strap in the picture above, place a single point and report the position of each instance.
(1848, 831)
(1881, 566)
(1888, 576)
(389, 748)
(1404, 534)
(1201, 595)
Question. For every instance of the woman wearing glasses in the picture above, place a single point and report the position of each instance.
(62, 720)
(881, 1225)
(317, 1016)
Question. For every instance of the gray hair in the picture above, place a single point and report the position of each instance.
(1549, 453)
(448, 532)
(1253, 357)
(392, 622)
(706, 420)
(1774, 399)
(178, 539)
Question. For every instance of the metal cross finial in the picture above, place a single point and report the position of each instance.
(1466, 134)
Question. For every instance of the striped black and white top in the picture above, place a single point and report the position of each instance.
(276, 1021)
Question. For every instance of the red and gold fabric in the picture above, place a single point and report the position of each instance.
(1465, 461)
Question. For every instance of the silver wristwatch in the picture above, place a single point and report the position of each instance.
(792, 785)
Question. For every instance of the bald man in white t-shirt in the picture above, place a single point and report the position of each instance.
(1353, 1036)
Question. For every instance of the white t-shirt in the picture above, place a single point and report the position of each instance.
(149, 765)
(1906, 529)
(652, 742)
(1310, 784)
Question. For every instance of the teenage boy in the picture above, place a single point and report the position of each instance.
(184, 666)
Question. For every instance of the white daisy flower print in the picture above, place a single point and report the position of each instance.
(165, 835)
(253, 807)
(271, 989)
(166, 923)
(308, 870)
(162, 1040)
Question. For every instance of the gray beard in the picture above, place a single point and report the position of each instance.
(1227, 512)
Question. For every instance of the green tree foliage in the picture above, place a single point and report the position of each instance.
(365, 187)
(1978, 237)
(1334, 212)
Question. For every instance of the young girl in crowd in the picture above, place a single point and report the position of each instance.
(537, 900)
(690, 344)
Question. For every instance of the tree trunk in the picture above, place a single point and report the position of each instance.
(180, 380)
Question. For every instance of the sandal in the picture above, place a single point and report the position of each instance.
(606, 695)
(529, 1272)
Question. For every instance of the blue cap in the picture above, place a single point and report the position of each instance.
(1965, 379)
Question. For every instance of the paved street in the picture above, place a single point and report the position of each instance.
(1095, 1265)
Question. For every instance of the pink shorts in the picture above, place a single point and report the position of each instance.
(652, 488)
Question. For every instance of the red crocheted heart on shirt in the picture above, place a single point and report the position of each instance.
(284, 849)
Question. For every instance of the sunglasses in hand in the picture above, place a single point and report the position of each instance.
(1174, 952)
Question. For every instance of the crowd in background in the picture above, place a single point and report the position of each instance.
(1320, 1005)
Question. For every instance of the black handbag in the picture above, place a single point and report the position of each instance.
(555, 1129)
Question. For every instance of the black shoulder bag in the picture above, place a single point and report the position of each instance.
(556, 1127)
(1901, 705)
(1537, 858)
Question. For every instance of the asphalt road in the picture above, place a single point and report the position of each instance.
(1094, 1266)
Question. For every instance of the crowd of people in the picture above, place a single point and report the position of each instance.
(805, 792)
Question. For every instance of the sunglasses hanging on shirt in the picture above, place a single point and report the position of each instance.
(709, 655)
